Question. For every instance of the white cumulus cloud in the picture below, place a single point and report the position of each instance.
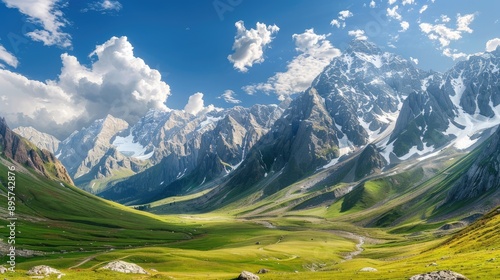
(358, 34)
(315, 53)
(229, 97)
(463, 22)
(343, 15)
(445, 18)
(423, 9)
(104, 6)
(249, 44)
(195, 104)
(7, 57)
(492, 44)
(393, 13)
(454, 54)
(390, 2)
(340, 21)
(444, 34)
(47, 14)
(404, 26)
(116, 83)
(372, 4)
(408, 2)
(414, 60)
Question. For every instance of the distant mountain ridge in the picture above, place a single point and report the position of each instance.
(368, 104)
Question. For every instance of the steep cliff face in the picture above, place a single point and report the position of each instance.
(364, 88)
(304, 138)
(84, 149)
(40, 139)
(24, 152)
(192, 150)
(369, 161)
(483, 177)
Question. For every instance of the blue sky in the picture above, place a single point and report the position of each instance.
(195, 47)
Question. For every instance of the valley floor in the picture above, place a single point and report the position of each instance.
(290, 248)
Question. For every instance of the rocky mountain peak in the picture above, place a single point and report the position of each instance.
(363, 46)
(40, 139)
(24, 152)
(82, 150)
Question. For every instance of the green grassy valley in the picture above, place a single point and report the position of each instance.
(392, 223)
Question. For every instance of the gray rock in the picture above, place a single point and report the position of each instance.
(124, 267)
(368, 269)
(40, 139)
(439, 275)
(245, 275)
(263, 271)
(84, 149)
(3, 269)
(43, 270)
(483, 176)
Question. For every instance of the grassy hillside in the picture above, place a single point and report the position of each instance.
(53, 216)
(391, 222)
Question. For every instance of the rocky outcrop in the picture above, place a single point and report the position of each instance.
(369, 161)
(483, 176)
(125, 267)
(439, 275)
(423, 121)
(84, 149)
(24, 152)
(43, 270)
(42, 140)
(245, 275)
(368, 269)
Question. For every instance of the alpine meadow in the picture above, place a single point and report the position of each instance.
(250, 139)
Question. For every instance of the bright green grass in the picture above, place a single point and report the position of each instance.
(229, 246)
(54, 217)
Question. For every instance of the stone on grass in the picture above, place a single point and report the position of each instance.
(43, 270)
(439, 275)
(124, 267)
(368, 269)
(3, 269)
(263, 271)
(245, 275)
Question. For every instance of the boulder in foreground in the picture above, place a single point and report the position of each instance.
(439, 275)
(124, 267)
(245, 275)
(43, 270)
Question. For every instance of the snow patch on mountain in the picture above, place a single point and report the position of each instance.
(128, 147)
(415, 151)
(469, 126)
(459, 88)
(376, 60)
(208, 121)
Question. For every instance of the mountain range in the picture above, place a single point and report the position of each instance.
(377, 156)
(368, 104)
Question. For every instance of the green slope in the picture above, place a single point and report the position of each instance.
(53, 216)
